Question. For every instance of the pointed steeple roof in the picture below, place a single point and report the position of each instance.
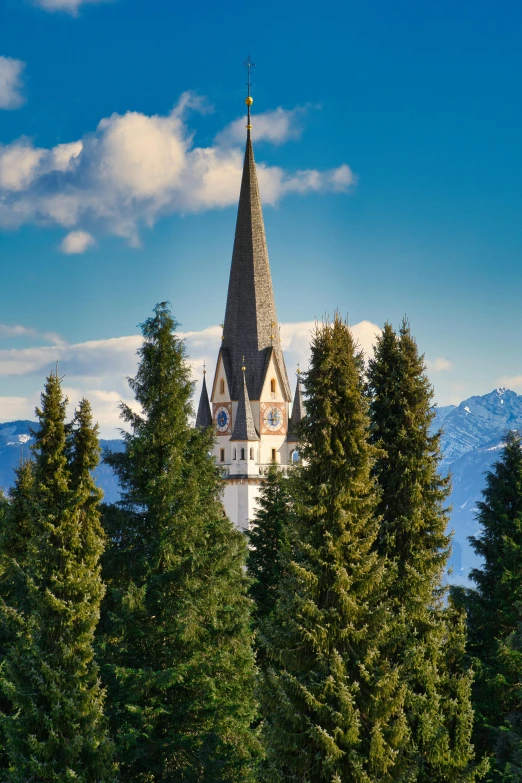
(204, 417)
(298, 411)
(244, 428)
(251, 326)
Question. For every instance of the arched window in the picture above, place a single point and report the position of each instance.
(274, 455)
(235, 453)
(251, 453)
(242, 453)
(294, 456)
(222, 386)
(272, 386)
(222, 455)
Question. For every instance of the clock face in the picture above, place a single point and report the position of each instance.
(273, 419)
(222, 419)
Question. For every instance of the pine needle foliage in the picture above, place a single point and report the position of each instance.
(176, 641)
(332, 705)
(14, 539)
(429, 642)
(57, 730)
(494, 611)
(269, 542)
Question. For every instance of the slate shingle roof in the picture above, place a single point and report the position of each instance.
(204, 417)
(251, 326)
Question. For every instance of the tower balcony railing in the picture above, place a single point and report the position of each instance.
(225, 471)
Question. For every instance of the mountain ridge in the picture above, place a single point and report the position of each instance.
(472, 436)
(16, 440)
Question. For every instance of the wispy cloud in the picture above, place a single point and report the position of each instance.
(11, 72)
(135, 168)
(276, 126)
(440, 364)
(76, 242)
(98, 369)
(513, 382)
(17, 330)
(69, 6)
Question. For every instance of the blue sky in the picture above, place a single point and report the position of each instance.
(388, 141)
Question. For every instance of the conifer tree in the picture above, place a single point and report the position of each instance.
(14, 538)
(430, 638)
(176, 641)
(269, 542)
(332, 705)
(56, 731)
(494, 614)
(15, 533)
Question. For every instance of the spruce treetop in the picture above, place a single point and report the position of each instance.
(428, 641)
(333, 705)
(176, 640)
(413, 493)
(56, 729)
(494, 612)
(500, 540)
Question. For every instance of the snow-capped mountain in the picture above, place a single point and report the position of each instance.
(478, 420)
(472, 434)
(15, 443)
(471, 442)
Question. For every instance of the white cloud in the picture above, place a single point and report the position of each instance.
(512, 382)
(88, 359)
(440, 364)
(14, 408)
(135, 168)
(76, 242)
(70, 6)
(17, 330)
(97, 369)
(11, 83)
(275, 126)
(296, 337)
(104, 404)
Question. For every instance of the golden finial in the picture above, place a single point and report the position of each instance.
(204, 367)
(243, 367)
(249, 100)
(222, 329)
(298, 371)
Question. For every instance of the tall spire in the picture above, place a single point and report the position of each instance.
(244, 427)
(204, 416)
(298, 410)
(250, 327)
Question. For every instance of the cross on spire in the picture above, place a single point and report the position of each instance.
(249, 100)
(249, 65)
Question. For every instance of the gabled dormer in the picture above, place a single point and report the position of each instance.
(220, 387)
(274, 379)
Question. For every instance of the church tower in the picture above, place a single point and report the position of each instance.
(250, 396)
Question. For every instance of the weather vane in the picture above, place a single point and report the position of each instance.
(249, 100)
